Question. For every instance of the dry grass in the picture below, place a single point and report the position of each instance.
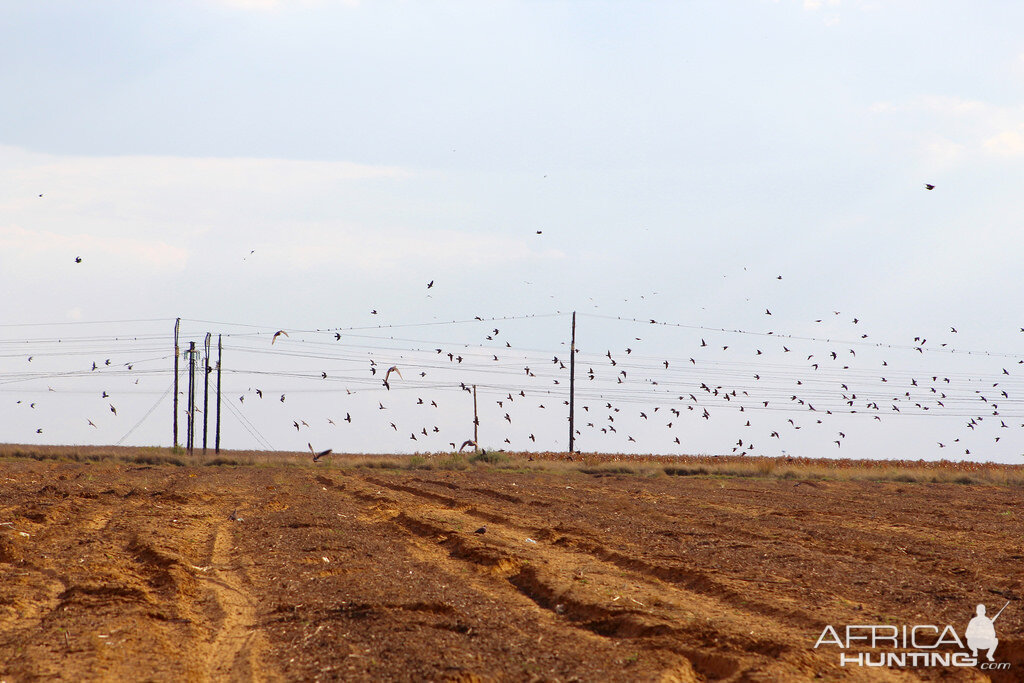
(593, 464)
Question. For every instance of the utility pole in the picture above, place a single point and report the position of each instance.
(572, 387)
(191, 408)
(216, 439)
(206, 385)
(177, 352)
(476, 424)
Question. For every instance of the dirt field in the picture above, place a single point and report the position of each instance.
(320, 572)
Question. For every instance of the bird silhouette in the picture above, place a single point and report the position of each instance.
(278, 334)
(317, 456)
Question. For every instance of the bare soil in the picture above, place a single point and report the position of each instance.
(114, 571)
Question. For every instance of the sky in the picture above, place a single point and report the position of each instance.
(736, 172)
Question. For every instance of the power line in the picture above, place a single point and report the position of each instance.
(148, 413)
(857, 342)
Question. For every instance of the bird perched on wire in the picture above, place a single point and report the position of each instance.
(317, 456)
(278, 334)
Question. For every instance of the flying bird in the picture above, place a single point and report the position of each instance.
(929, 186)
(317, 456)
(278, 334)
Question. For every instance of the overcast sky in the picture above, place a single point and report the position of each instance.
(297, 164)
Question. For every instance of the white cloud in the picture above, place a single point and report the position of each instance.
(814, 5)
(163, 212)
(125, 196)
(42, 170)
(27, 246)
(351, 248)
(1008, 143)
(959, 127)
(269, 5)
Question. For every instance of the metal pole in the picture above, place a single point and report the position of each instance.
(191, 408)
(216, 439)
(476, 424)
(572, 387)
(206, 385)
(177, 352)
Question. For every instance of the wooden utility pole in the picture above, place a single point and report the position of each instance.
(191, 408)
(206, 385)
(476, 424)
(572, 387)
(216, 439)
(177, 352)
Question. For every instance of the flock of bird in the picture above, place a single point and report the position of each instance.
(629, 393)
(760, 387)
(756, 388)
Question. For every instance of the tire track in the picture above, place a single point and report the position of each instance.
(538, 572)
(233, 653)
(680, 575)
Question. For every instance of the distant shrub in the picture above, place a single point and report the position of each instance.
(218, 462)
(455, 462)
(685, 471)
(490, 457)
(608, 470)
